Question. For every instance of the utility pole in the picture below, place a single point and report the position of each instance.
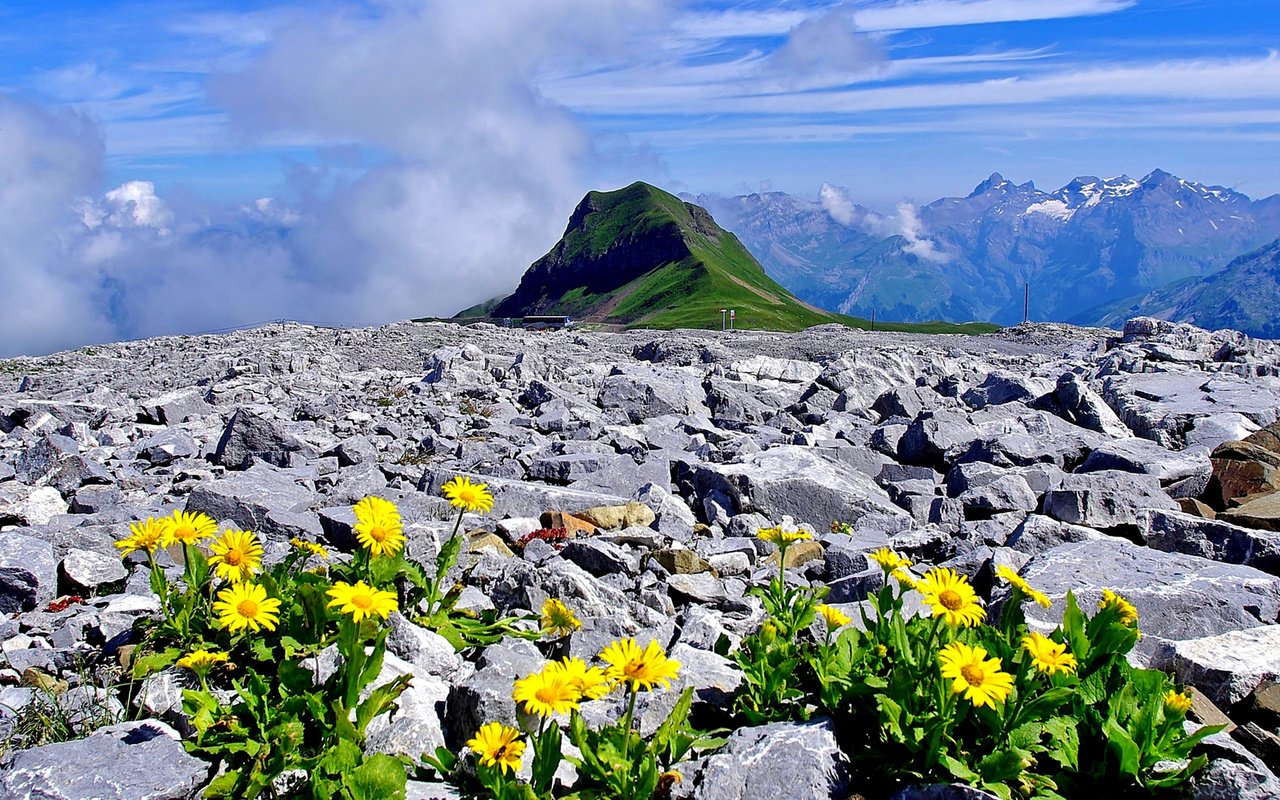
(1026, 301)
(873, 318)
(723, 311)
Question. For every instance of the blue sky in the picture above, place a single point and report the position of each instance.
(188, 165)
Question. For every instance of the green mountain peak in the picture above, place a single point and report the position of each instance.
(640, 256)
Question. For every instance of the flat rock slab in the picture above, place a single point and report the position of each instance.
(1229, 667)
(129, 761)
(1178, 597)
(1263, 512)
(1176, 532)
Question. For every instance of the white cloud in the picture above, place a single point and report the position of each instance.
(939, 13)
(905, 222)
(826, 45)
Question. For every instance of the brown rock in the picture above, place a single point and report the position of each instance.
(1268, 438)
(630, 515)
(799, 553)
(485, 542)
(1193, 506)
(1262, 512)
(574, 526)
(1246, 451)
(682, 562)
(37, 678)
(1204, 711)
(1266, 701)
(1234, 480)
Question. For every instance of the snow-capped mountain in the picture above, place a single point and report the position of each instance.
(1087, 244)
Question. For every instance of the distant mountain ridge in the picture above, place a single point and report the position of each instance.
(1081, 247)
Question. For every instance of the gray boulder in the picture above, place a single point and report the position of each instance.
(33, 556)
(1178, 597)
(249, 436)
(85, 572)
(262, 499)
(782, 761)
(1176, 532)
(1233, 773)
(1106, 499)
(1227, 667)
(1188, 469)
(130, 761)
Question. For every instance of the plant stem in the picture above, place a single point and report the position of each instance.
(626, 739)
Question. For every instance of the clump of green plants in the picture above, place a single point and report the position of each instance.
(955, 697)
(615, 760)
(288, 659)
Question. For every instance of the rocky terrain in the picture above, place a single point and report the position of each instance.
(1146, 462)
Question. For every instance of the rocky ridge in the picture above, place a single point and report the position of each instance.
(1143, 461)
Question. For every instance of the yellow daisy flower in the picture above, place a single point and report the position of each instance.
(591, 682)
(187, 528)
(310, 548)
(464, 494)
(558, 619)
(1177, 702)
(200, 661)
(949, 595)
(905, 577)
(1047, 655)
(361, 600)
(146, 535)
(642, 669)
(498, 745)
(980, 678)
(834, 616)
(246, 605)
(1128, 614)
(782, 536)
(1018, 582)
(888, 560)
(548, 692)
(378, 527)
(236, 555)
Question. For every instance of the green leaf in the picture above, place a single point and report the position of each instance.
(958, 768)
(380, 701)
(226, 785)
(1073, 629)
(1046, 703)
(380, 777)
(1002, 765)
(148, 663)
(546, 759)
(1125, 749)
(1064, 741)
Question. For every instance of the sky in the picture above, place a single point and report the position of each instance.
(193, 165)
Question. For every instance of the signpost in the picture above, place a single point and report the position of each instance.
(733, 312)
(723, 311)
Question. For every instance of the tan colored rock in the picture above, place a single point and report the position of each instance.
(1206, 713)
(630, 515)
(1262, 512)
(574, 526)
(486, 542)
(1196, 507)
(799, 553)
(682, 562)
(1233, 481)
(37, 678)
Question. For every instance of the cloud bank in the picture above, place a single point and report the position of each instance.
(473, 174)
(904, 222)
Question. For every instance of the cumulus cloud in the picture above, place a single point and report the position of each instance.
(826, 46)
(474, 175)
(904, 222)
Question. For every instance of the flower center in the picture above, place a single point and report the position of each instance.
(951, 600)
(548, 694)
(247, 608)
(233, 558)
(378, 533)
(972, 674)
(184, 533)
(363, 602)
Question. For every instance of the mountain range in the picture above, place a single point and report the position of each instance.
(1159, 245)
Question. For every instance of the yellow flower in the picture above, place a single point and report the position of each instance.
(187, 528)
(642, 669)
(1047, 655)
(888, 560)
(200, 661)
(591, 682)
(236, 555)
(970, 671)
(497, 745)
(548, 692)
(950, 596)
(1018, 582)
(378, 526)
(146, 535)
(905, 577)
(464, 494)
(310, 548)
(558, 618)
(782, 536)
(246, 605)
(361, 600)
(1128, 614)
(1178, 702)
(834, 616)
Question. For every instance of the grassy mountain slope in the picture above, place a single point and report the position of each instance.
(641, 257)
